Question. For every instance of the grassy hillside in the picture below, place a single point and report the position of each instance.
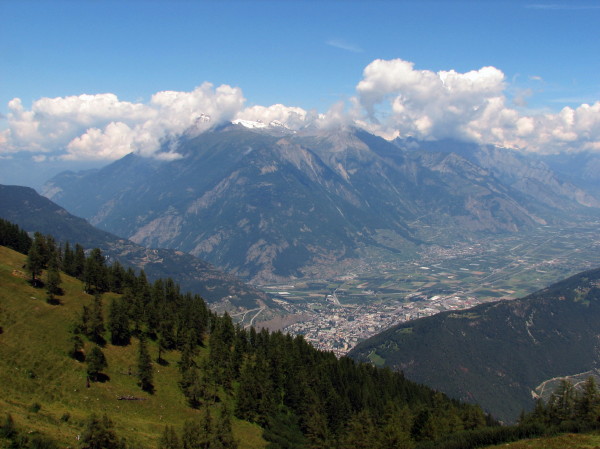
(37, 374)
(566, 441)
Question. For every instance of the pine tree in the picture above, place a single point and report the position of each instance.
(360, 433)
(100, 434)
(68, 263)
(35, 259)
(145, 376)
(93, 321)
(13, 237)
(562, 402)
(53, 280)
(317, 430)
(76, 350)
(587, 404)
(223, 432)
(396, 428)
(198, 434)
(118, 323)
(96, 363)
(169, 439)
(95, 274)
(79, 261)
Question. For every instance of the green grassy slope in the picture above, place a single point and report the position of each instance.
(565, 441)
(35, 369)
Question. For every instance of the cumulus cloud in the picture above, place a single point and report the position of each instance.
(399, 100)
(103, 127)
(393, 98)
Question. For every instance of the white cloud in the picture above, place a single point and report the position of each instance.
(393, 99)
(400, 100)
(103, 127)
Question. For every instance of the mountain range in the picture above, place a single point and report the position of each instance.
(269, 204)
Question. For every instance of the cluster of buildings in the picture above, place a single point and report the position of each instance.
(338, 328)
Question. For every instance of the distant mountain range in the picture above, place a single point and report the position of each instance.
(496, 354)
(269, 204)
(33, 212)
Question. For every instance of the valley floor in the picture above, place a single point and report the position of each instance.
(384, 289)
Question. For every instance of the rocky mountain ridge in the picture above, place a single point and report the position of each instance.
(268, 206)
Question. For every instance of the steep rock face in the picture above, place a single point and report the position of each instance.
(496, 354)
(270, 205)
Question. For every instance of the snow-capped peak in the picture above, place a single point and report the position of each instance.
(259, 124)
(249, 123)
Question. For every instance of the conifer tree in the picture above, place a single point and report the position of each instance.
(562, 402)
(360, 433)
(587, 404)
(13, 237)
(145, 375)
(93, 321)
(94, 273)
(317, 431)
(169, 439)
(53, 280)
(223, 433)
(76, 350)
(96, 363)
(198, 433)
(68, 262)
(79, 261)
(35, 259)
(100, 434)
(118, 323)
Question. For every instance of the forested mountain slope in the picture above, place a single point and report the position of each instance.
(169, 366)
(496, 354)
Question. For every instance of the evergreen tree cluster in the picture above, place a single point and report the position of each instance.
(209, 431)
(13, 237)
(44, 253)
(568, 407)
(300, 396)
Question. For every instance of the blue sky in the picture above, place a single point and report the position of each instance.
(305, 54)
